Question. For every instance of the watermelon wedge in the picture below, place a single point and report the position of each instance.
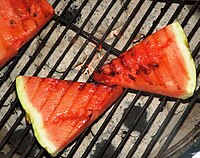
(20, 21)
(60, 110)
(161, 63)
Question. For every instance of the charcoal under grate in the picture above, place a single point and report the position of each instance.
(81, 37)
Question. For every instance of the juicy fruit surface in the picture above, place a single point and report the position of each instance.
(161, 64)
(20, 21)
(60, 110)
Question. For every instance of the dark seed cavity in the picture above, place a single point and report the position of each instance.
(131, 77)
(98, 71)
(145, 70)
(112, 73)
(90, 112)
(81, 87)
(155, 65)
(35, 15)
(12, 22)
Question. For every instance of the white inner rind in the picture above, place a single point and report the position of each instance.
(183, 46)
(35, 118)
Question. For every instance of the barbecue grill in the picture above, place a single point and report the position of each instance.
(81, 37)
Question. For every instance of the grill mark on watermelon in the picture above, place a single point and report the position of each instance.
(23, 11)
(131, 77)
(123, 61)
(78, 115)
(99, 96)
(54, 99)
(11, 20)
(34, 82)
(82, 86)
(74, 98)
(127, 67)
(178, 55)
(164, 60)
(107, 69)
(41, 92)
(178, 58)
(69, 96)
(174, 73)
(122, 64)
(66, 89)
(6, 46)
(113, 72)
(151, 50)
(141, 67)
(153, 66)
(84, 97)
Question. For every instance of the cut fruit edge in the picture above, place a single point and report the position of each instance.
(180, 40)
(184, 48)
(35, 118)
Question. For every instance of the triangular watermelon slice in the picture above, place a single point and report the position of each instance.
(60, 110)
(20, 21)
(161, 63)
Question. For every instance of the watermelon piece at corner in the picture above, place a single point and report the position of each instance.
(20, 21)
(61, 110)
(161, 64)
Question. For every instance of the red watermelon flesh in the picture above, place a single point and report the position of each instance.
(161, 63)
(60, 110)
(20, 21)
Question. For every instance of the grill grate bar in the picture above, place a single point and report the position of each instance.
(138, 95)
(72, 42)
(19, 140)
(12, 129)
(162, 13)
(41, 153)
(190, 2)
(128, 21)
(87, 35)
(179, 123)
(60, 38)
(151, 120)
(196, 50)
(102, 39)
(100, 63)
(95, 40)
(176, 13)
(166, 121)
(29, 148)
(99, 132)
(122, 143)
(103, 125)
(7, 114)
(25, 68)
(87, 40)
(14, 63)
(137, 29)
(191, 12)
(195, 28)
(161, 129)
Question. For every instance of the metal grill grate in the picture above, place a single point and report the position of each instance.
(80, 38)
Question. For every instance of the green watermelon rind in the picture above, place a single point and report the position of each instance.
(35, 118)
(183, 45)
